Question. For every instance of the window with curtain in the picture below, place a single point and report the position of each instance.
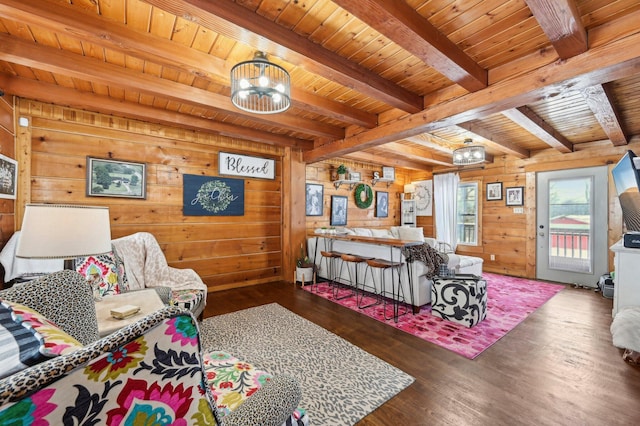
(467, 213)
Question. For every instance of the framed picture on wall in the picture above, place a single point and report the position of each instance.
(314, 199)
(514, 196)
(389, 173)
(338, 210)
(8, 177)
(494, 191)
(114, 178)
(382, 204)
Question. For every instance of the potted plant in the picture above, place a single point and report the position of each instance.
(342, 172)
(304, 267)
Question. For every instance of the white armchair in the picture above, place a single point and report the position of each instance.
(146, 267)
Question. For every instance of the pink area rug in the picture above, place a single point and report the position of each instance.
(510, 300)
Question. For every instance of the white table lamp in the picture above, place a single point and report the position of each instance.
(56, 231)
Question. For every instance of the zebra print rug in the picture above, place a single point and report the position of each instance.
(341, 383)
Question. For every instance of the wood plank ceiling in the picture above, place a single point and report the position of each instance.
(397, 82)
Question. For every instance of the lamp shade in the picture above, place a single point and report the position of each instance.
(409, 188)
(55, 231)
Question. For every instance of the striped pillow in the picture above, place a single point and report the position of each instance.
(27, 338)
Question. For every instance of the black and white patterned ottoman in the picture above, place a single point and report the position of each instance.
(461, 299)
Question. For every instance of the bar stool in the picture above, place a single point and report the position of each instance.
(377, 299)
(353, 262)
(397, 297)
(330, 258)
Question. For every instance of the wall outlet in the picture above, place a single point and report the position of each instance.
(492, 257)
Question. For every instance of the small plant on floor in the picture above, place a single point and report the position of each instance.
(303, 260)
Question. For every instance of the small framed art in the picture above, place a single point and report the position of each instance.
(114, 178)
(388, 173)
(494, 191)
(338, 210)
(514, 196)
(315, 195)
(8, 177)
(382, 204)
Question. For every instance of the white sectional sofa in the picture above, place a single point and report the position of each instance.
(420, 273)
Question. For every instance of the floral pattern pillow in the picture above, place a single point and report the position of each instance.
(104, 272)
(232, 381)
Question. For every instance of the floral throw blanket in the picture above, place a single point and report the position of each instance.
(426, 254)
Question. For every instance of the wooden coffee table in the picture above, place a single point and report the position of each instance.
(148, 300)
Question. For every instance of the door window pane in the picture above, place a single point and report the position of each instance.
(467, 213)
(570, 230)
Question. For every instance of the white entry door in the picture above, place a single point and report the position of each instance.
(572, 225)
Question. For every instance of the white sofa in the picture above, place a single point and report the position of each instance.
(420, 273)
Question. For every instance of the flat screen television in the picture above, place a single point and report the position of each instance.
(627, 180)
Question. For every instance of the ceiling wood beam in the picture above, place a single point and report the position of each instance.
(562, 23)
(65, 19)
(94, 70)
(427, 141)
(53, 94)
(239, 23)
(613, 61)
(530, 121)
(366, 157)
(417, 154)
(600, 101)
(402, 24)
(502, 145)
(332, 109)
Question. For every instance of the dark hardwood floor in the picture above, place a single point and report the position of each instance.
(556, 368)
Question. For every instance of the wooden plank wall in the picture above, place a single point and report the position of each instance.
(324, 173)
(511, 237)
(7, 135)
(226, 251)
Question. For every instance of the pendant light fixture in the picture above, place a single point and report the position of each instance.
(260, 86)
(468, 154)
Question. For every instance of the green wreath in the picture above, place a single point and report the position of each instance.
(213, 196)
(363, 202)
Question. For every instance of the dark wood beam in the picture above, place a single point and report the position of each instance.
(401, 23)
(65, 19)
(526, 118)
(58, 95)
(613, 61)
(562, 23)
(501, 144)
(239, 23)
(94, 70)
(600, 100)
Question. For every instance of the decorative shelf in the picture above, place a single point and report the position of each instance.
(351, 183)
(383, 180)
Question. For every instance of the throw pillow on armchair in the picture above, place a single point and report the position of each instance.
(104, 272)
